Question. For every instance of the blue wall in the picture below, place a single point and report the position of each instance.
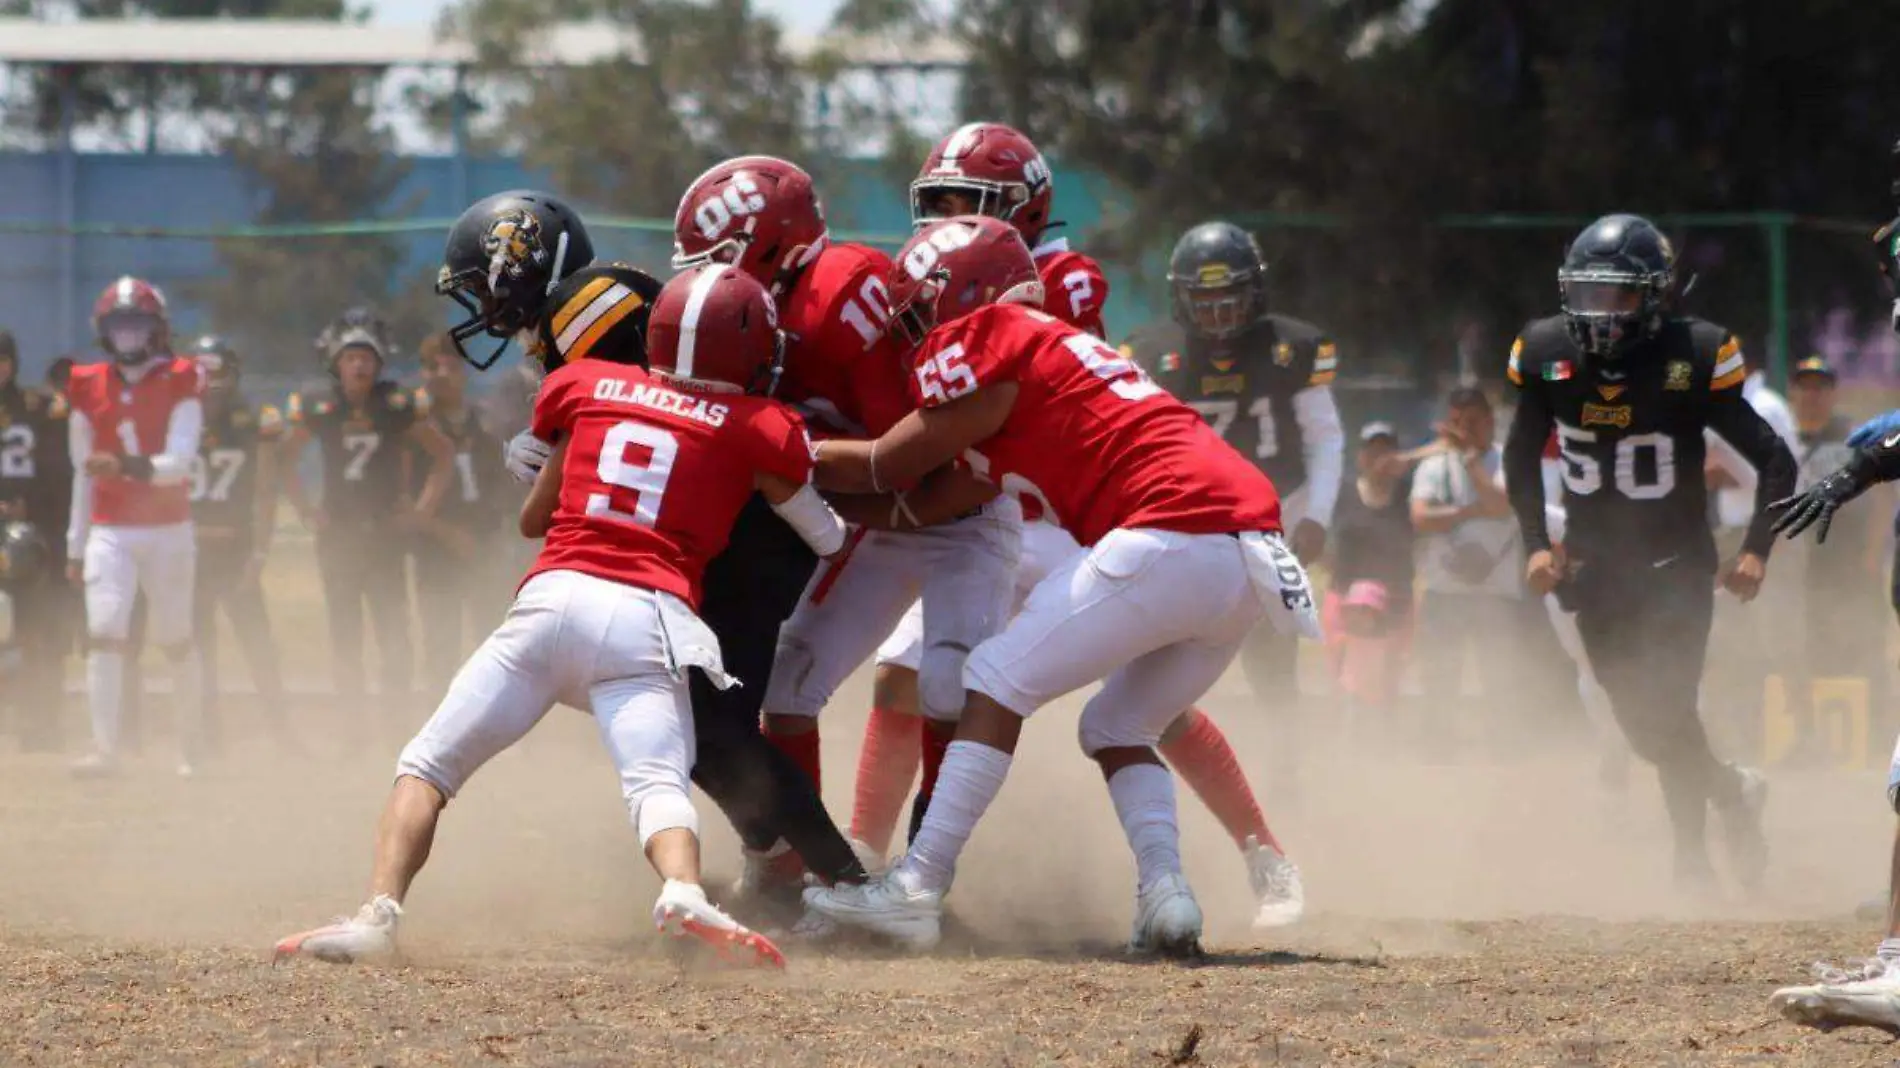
(183, 192)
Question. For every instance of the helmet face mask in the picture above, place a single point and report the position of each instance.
(131, 322)
(985, 168)
(1219, 281)
(1615, 285)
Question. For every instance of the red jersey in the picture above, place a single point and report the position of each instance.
(838, 363)
(654, 475)
(131, 419)
(1074, 287)
(1090, 435)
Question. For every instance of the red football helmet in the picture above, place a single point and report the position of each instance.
(985, 168)
(952, 267)
(131, 321)
(758, 213)
(715, 327)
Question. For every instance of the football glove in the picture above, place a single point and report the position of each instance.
(1816, 505)
(525, 455)
(1880, 427)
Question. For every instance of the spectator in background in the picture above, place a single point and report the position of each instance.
(1369, 604)
(1844, 650)
(59, 374)
(1744, 646)
(1471, 564)
(456, 578)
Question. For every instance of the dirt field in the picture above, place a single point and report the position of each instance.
(1460, 914)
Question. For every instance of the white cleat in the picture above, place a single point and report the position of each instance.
(883, 906)
(683, 911)
(1873, 1000)
(1167, 919)
(369, 934)
(1277, 889)
(768, 875)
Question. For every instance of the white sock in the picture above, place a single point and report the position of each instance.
(188, 701)
(971, 776)
(105, 686)
(1144, 801)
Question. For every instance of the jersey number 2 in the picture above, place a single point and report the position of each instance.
(1583, 473)
(647, 481)
(16, 452)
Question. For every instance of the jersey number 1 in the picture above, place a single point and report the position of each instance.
(646, 481)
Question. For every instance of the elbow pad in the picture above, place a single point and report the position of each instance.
(814, 520)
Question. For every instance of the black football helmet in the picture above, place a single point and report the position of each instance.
(1616, 284)
(358, 327)
(1219, 280)
(598, 313)
(504, 257)
(219, 362)
(24, 559)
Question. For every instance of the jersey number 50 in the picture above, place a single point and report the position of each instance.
(1583, 473)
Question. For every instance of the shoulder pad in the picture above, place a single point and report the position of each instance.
(1297, 331)
(1543, 349)
(1721, 351)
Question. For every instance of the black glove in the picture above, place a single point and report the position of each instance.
(1819, 502)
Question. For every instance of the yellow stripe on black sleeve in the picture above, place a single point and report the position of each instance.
(579, 302)
(586, 342)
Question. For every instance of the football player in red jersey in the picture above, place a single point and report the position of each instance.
(649, 473)
(992, 169)
(1184, 557)
(134, 431)
(762, 215)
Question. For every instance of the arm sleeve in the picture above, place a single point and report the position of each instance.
(79, 446)
(1744, 428)
(1524, 466)
(1324, 440)
(182, 433)
(547, 419)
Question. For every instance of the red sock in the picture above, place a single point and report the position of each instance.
(1204, 760)
(886, 766)
(803, 749)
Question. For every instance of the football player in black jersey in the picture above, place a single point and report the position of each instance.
(1630, 387)
(455, 555)
(365, 514)
(542, 294)
(36, 486)
(1264, 382)
(234, 508)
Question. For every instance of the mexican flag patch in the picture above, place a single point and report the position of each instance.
(1557, 372)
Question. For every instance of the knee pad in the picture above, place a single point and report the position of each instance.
(1097, 729)
(657, 807)
(940, 681)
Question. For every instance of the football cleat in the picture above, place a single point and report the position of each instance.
(1167, 919)
(683, 911)
(885, 906)
(775, 875)
(1277, 890)
(1841, 1000)
(95, 765)
(368, 934)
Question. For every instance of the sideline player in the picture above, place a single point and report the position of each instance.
(36, 485)
(762, 215)
(365, 514)
(1184, 557)
(455, 553)
(1630, 387)
(649, 473)
(133, 435)
(234, 507)
(992, 169)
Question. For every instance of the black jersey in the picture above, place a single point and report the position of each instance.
(224, 475)
(480, 492)
(1630, 439)
(1244, 386)
(361, 449)
(35, 467)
